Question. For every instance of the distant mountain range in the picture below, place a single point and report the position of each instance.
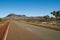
(16, 15)
(23, 17)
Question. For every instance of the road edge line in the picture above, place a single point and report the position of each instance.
(6, 33)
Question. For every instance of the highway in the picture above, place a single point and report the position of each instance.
(24, 31)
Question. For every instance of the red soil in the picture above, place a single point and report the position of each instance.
(3, 29)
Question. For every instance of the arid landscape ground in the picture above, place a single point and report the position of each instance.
(29, 19)
(16, 28)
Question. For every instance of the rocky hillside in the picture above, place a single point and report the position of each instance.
(14, 16)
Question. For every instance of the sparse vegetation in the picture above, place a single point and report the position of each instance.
(44, 21)
(50, 22)
(45, 26)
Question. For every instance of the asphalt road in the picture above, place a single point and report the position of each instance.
(24, 31)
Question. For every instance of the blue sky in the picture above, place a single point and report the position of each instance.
(28, 7)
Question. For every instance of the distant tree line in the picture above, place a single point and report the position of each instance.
(47, 18)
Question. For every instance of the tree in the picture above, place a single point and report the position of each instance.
(57, 15)
(46, 18)
(52, 18)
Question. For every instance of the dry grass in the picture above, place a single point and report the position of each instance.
(46, 26)
(53, 27)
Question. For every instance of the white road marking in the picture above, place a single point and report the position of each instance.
(5, 36)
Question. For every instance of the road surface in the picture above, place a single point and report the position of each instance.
(24, 31)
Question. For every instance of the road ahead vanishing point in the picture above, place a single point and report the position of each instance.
(23, 31)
